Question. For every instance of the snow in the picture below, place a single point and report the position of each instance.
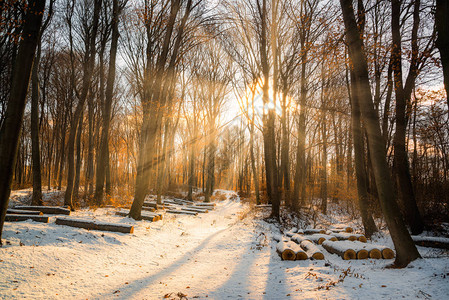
(224, 254)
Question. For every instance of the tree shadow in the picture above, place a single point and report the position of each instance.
(238, 284)
(134, 287)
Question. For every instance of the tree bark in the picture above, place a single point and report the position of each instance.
(103, 160)
(406, 193)
(268, 121)
(88, 70)
(405, 247)
(11, 126)
(35, 152)
(442, 43)
(359, 160)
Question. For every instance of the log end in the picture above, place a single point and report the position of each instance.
(318, 256)
(288, 254)
(387, 253)
(322, 231)
(362, 254)
(321, 240)
(333, 239)
(362, 239)
(375, 254)
(349, 254)
(131, 230)
(352, 238)
(349, 229)
(301, 255)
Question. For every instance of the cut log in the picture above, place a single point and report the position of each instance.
(290, 251)
(342, 236)
(18, 218)
(289, 234)
(298, 238)
(375, 253)
(280, 238)
(181, 212)
(144, 216)
(312, 250)
(196, 209)
(387, 253)
(263, 206)
(285, 252)
(432, 242)
(149, 209)
(205, 204)
(94, 225)
(152, 204)
(301, 255)
(341, 228)
(313, 231)
(362, 254)
(183, 200)
(51, 210)
(24, 212)
(340, 249)
(319, 238)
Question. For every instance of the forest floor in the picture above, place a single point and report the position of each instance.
(227, 253)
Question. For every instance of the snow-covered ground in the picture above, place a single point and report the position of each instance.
(227, 253)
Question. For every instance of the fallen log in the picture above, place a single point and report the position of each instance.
(152, 204)
(18, 218)
(181, 212)
(143, 216)
(374, 253)
(341, 250)
(362, 254)
(313, 231)
(150, 209)
(280, 238)
(312, 250)
(263, 206)
(197, 209)
(387, 253)
(94, 225)
(432, 242)
(342, 236)
(51, 210)
(204, 204)
(319, 238)
(285, 252)
(24, 212)
(341, 228)
(298, 238)
(290, 251)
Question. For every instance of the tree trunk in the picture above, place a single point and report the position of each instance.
(442, 43)
(11, 126)
(88, 70)
(300, 172)
(401, 164)
(35, 152)
(152, 116)
(359, 160)
(405, 247)
(268, 121)
(103, 157)
(79, 153)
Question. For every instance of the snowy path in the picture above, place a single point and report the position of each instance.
(214, 256)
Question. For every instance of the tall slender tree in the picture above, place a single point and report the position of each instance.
(11, 126)
(405, 247)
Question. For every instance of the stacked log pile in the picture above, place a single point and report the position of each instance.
(339, 240)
